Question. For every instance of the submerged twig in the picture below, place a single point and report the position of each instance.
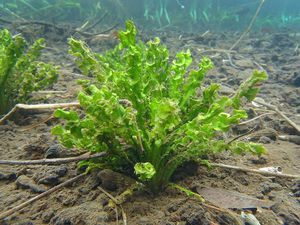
(87, 28)
(52, 161)
(38, 106)
(116, 202)
(37, 124)
(254, 171)
(249, 26)
(44, 194)
(232, 214)
(255, 118)
(242, 135)
(274, 108)
(49, 92)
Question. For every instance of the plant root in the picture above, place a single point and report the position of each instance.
(34, 199)
(256, 171)
(56, 161)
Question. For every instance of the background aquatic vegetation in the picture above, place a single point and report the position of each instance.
(206, 14)
(52, 10)
(146, 112)
(20, 71)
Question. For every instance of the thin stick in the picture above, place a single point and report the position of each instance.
(44, 194)
(274, 108)
(255, 171)
(230, 61)
(37, 22)
(87, 28)
(67, 72)
(55, 161)
(205, 33)
(49, 92)
(250, 25)
(116, 202)
(29, 127)
(241, 135)
(219, 50)
(108, 29)
(38, 106)
(255, 118)
(232, 214)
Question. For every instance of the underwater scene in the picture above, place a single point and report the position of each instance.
(150, 112)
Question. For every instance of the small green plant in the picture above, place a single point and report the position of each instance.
(151, 114)
(20, 72)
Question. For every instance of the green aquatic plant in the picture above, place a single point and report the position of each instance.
(148, 112)
(20, 72)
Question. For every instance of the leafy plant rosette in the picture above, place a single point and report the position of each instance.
(20, 71)
(151, 114)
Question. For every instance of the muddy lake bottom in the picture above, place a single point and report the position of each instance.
(84, 203)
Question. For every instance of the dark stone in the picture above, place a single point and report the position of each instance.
(268, 186)
(260, 196)
(294, 138)
(233, 81)
(25, 182)
(286, 128)
(47, 216)
(93, 180)
(51, 179)
(194, 215)
(8, 176)
(296, 186)
(54, 151)
(296, 194)
(26, 223)
(296, 79)
(264, 140)
(61, 171)
(287, 211)
(64, 221)
(174, 206)
(259, 160)
(113, 181)
(84, 190)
